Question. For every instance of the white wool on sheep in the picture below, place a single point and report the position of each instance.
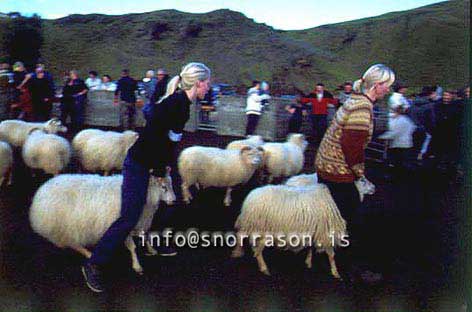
(45, 151)
(81, 138)
(15, 131)
(6, 160)
(211, 166)
(106, 151)
(252, 141)
(302, 180)
(73, 210)
(285, 159)
(275, 209)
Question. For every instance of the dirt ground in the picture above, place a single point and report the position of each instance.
(410, 232)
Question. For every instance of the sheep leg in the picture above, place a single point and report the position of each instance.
(309, 257)
(259, 257)
(187, 196)
(332, 263)
(227, 201)
(106, 173)
(10, 177)
(238, 250)
(83, 251)
(150, 250)
(129, 243)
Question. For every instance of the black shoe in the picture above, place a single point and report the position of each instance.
(166, 251)
(93, 277)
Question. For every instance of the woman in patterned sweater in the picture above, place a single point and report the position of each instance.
(340, 157)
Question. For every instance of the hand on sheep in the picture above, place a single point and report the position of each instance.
(364, 187)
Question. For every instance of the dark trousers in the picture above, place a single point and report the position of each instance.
(319, 123)
(294, 124)
(252, 121)
(75, 109)
(127, 115)
(346, 197)
(133, 198)
(41, 110)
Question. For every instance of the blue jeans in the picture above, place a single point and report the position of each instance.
(133, 198)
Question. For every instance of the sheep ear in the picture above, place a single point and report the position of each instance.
(32, 130)
(245, 149)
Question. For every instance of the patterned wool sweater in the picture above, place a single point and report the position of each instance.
(340, 157)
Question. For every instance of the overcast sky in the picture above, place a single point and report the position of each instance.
(281, 14)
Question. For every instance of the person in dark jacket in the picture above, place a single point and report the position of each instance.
(150, 155)
(297, 111)
(74, 95)
(42, 93)
(159, 91)
(126, 89)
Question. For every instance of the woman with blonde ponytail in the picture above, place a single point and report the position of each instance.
(152, 154)
(340, 158)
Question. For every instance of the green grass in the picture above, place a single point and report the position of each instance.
(424, 46)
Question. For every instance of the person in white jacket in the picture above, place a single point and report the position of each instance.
(254, 106)
(400, 136)
(398, 99)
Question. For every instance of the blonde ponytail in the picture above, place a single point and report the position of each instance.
(377, 73)
(190, 74)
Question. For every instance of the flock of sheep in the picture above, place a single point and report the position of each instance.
(74, 210)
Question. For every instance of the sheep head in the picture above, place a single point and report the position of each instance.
(252, 156)
(129, 137)
(54, 125)
(298, 139)
(164, 187)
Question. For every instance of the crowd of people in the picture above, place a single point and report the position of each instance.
(29, 96)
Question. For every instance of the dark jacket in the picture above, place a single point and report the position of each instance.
(69, 93)
(154, 149)
(126, 87)
(160, 89)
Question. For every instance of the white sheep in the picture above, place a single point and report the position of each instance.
(6, 161)
(252, 141)
(106, 151)
(292, 217)
(210, 166)
(302, 180)
(81, 138)
(76, 210)
(284, 159)
(363, 187)
(15, 131)
(45, 151)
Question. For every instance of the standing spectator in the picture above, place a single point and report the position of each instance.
(398, 99)
(400, 133)
(125, 92)
(150, 155)
(74, 95)
(21, 107)
(297, 111)
(107, 84)
(5, 88)
(319, 99)
(446, 134)
(149, 85)
(341, 155)
(161, 86)
(93, 82)
(346, 93)
(42, 93)
(254, 106)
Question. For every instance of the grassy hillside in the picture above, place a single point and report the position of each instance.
(424, 46)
